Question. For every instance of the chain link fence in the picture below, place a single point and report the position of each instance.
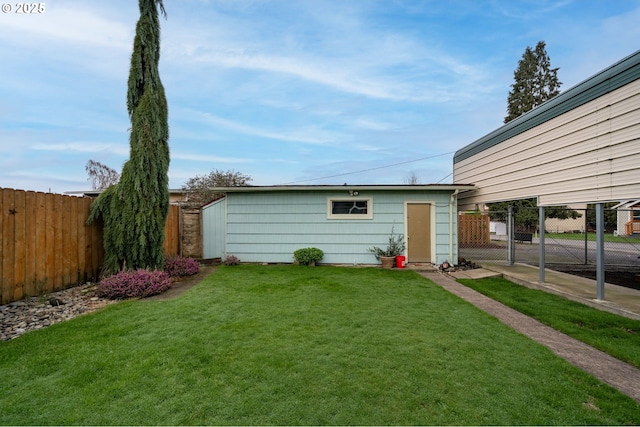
(570, 241)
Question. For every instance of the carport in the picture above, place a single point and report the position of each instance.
(582, 146)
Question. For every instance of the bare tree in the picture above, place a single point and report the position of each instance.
(101, 176)
(202, 189)
(411, 178)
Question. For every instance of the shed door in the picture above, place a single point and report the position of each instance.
(419, 232)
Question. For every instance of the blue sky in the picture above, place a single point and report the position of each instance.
(291, 91)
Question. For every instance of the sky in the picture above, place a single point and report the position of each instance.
(302, 92)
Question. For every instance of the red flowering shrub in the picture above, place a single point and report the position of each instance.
(180, 267)
(134, 284)
(231, 260)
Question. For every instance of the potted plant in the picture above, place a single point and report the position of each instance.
(394, 248)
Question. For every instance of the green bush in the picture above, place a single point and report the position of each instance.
(308, 256)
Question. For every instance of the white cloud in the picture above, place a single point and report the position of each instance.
(208, 158)
(306, 135)
(82, 147)
(75, 24)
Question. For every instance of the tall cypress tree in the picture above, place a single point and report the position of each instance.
(535, 82)
(134, 211)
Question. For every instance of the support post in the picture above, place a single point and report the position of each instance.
(510, 236)
(586, 236)
(541, 245)
(600, 250)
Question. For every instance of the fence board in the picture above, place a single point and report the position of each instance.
(172, 232)
(473, 229)
(30, 244)
(40, 258)
(1, 250)
(82, 214)
(65, 238)
(50, 243)
(8, 245)
(57, 242)
(73, 240)
(20, 216)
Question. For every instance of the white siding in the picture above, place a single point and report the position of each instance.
(214, 229)
(589, 154)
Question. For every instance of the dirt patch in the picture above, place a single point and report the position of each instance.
(182, 285)
(629, 278)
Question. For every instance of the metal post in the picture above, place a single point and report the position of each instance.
(600, 250)
(510, 236)
(541, 246)
(586, 236)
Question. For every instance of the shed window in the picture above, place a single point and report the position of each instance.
(349, 208)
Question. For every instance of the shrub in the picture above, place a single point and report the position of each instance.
(180, 267)
(134, 284)
(231, 260)
(308, 256)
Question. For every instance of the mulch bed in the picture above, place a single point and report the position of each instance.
(629, 278)
(182, 285)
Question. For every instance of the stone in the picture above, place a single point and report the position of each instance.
(55, 301)
(34, 313)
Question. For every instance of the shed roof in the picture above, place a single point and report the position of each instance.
(384, 187)
(627, 204)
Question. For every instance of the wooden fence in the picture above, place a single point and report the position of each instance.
(47, 245)
(473, 229)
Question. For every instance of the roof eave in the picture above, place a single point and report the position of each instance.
(427, 187)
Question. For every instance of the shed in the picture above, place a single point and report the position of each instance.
(268, 223)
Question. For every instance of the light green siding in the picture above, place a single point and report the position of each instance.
(270, 226)
(214, 229)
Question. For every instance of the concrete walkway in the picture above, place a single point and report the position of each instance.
(607, 369)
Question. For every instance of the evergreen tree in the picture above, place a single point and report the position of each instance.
(535, 82)
(134, 211)
(526, 213)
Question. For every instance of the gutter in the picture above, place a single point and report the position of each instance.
(451, 201)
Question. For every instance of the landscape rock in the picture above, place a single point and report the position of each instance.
(34, 313)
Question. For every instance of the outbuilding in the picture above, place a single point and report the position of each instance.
(268, 223)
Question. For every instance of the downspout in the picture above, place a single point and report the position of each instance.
(451, 200)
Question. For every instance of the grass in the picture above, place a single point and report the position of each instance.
(591, 237)
(293, 345)
(613, 334)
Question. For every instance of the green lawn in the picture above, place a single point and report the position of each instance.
(297, 346)
(613, 334)
(591, 237)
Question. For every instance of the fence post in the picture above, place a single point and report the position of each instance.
(586, 236)
(510, 236)
(541, 227)
(600, 250)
